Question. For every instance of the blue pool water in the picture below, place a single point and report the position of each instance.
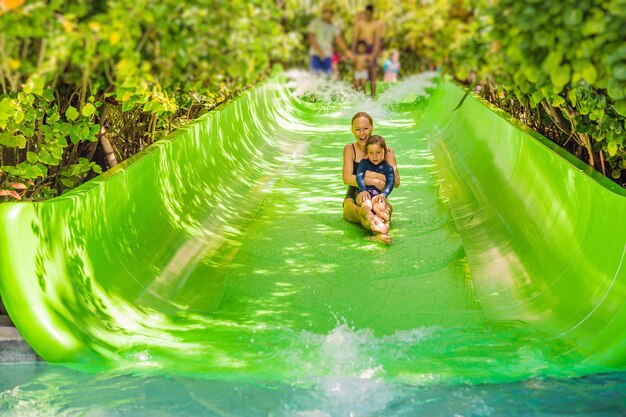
(38, 389)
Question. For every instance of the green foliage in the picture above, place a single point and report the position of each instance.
(79, 77)
(560, 66)
(75, 72)
(565, 62)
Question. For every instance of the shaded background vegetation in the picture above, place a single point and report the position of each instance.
(85, 84)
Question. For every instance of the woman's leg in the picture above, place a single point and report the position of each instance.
(370, 222)
(351, 211)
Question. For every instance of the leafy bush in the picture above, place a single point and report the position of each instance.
(85, 84)
(565, 60)
(558, 66)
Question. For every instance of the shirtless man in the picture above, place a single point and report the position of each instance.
(369, 31)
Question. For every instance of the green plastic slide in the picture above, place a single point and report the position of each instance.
(223, 244)
(544, 234)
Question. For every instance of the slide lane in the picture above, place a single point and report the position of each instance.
(222, 248)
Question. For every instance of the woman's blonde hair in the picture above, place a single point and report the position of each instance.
(362, 114)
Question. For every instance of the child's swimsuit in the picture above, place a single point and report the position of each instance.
(361, 75)
(382, 168)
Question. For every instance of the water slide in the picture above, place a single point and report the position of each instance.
(221, 249)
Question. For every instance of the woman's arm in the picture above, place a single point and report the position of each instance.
(390, 157)
(348, 176)
(375, 179)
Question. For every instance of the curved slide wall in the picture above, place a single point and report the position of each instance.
(74, 267)
(545, 237)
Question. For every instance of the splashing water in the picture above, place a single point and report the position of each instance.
(339, 98)
(320, 88)
(410, 89)
(346, 380)
(333, 96)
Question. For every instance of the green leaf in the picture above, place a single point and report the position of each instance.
(596, 114)
(571, 94)
(71, 113)
(552, 61)
(19, 117)
(30, 171)
(532, 74)
(616, 90)
(611, 148)
(7, 139)
(12, 141)
(88, 110)
(558, 101)
(47, 158)
(561, 75)
(128, 105)
(619, 72)
(31, 157)
(594, 25)
(53, 118)
(57, 152)
(589, 73)
(68, 183)
(620, 107)
(572, 16)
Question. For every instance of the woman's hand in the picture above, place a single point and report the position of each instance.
(375, 180)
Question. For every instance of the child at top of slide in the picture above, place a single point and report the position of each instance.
(361, 67)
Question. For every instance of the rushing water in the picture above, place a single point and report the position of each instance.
(318, 321)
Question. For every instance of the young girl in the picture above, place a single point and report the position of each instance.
(391, 67)
(375, 150)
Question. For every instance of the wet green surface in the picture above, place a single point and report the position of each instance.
(222, 252)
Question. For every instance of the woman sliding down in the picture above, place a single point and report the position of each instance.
(375, 220)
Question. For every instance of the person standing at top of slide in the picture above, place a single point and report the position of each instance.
(370, 31)
(322, 35)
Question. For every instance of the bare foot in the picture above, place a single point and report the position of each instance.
(377, 225)
(380, 209)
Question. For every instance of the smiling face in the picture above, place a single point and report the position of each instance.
(375, 153)
(362, 129)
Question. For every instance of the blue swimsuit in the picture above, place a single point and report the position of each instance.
(382, 168)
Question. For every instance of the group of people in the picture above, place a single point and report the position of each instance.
(369, 166)
(325, 40)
